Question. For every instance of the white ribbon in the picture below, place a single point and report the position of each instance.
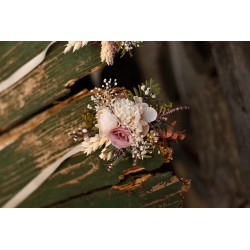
(35, 183)
(24, 70)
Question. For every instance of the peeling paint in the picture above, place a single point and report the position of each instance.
(94, 168)
(136, 183)
(131, 170)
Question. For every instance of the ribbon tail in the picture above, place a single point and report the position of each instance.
(24, 70)
(35, 183)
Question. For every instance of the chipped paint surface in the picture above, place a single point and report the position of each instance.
(134, 184)
(131, 170)
(10, 137)
(93, 169)
(46, 83)
(3, 106)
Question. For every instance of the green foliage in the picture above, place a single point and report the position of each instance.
(89, 120)
(155, 87)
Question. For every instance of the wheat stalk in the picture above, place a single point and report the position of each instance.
(93, 144)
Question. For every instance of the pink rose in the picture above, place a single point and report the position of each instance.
(119, 137)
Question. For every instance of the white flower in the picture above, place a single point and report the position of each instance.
(148, 114)
(129, 45)
(106, 121)
(75, 45)
(127, 112)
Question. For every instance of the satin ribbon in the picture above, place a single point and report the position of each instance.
(35, 183)
(24, 70)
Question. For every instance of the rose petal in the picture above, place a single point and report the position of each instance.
(119, 137)
(143, 123)
(150, 115)
(145, 129)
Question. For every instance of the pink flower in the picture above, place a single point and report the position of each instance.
(106, 121)
(119, 137)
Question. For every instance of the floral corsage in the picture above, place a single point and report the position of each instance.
(120, 123)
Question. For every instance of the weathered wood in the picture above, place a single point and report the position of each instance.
(29, 147)
(14, 54)
(46, 83)
(216, 176)
(233, 64)
(44, 140)
(159, 190)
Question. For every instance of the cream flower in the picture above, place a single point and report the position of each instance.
(127, 112)
(148, 114)
(106, 121)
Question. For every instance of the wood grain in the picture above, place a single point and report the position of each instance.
(15, 54)
(45, 141)
(46, 83)
(160, 190)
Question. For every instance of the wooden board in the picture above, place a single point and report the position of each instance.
(15, 54)
(33, 146)
(159, 190)
(46, 83)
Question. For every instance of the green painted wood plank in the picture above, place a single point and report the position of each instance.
(15, 54)
(160, 190)
(46, 83)
(45, 141)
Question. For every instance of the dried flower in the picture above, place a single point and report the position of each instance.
(74, 45)
(108, 49)
(119, 137)
(92, 144)
(129, 124)
(108, 52)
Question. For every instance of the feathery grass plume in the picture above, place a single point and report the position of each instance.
(108, 51)
(92, 144)
(75, 45)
